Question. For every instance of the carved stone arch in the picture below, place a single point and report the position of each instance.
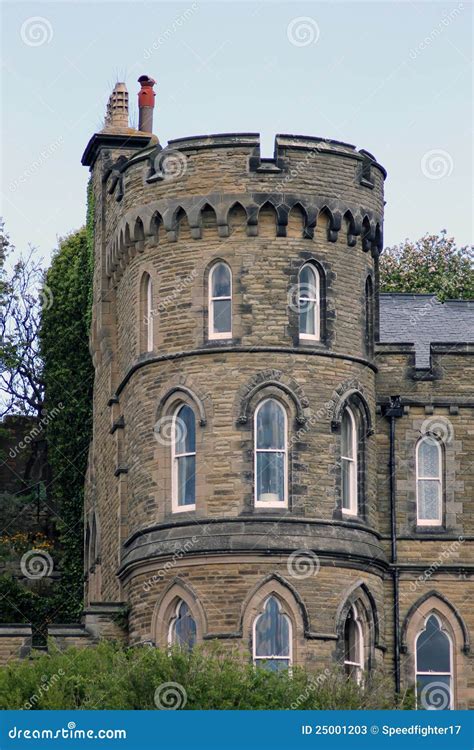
(378, 238)
(266, 210)
(228, 217)
(359, 598)
(172, 396)
(297, 220)
(171, 221)
(435, 602)
(274, 384)
(354, 396)
(164, 609)
(368, 234)
(208, 217)
(359, 592)
(139, 234)
(154, 226)
(334, 221)
(353, 228)
(277, 586)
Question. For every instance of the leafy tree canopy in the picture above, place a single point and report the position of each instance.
(431, 265)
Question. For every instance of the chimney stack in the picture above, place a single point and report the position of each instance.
(146, 103)
(116, 117)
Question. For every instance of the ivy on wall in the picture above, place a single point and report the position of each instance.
(68, 377)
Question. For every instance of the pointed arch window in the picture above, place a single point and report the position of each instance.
(434, 672)
(309, 303)
(183, 447)
(182, 630)
(369, 316)
(146, 312)
(353, 646)
(429, 481)
(220, 302)
(272, 637)
(349, 486)
(271, 455)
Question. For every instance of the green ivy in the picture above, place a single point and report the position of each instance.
(68, 377)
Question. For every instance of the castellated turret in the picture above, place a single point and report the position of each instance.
(271, 467)
(234, 317)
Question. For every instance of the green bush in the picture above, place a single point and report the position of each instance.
(110, 676)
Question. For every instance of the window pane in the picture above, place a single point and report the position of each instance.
(434, 692)
(274, 665)
(184, 630)
(221, 281)
(307, 317)
(308, 284)
(272, 632)
(270, 477)
(347, 471)
(428, 458)
(347, 435)
(433, 649)
(270, 425)
(351, 640)
(428, 499)
(185, 431)
(186, 480)
(222, 316)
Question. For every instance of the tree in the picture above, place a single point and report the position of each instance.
(68, 378)
(431, 265)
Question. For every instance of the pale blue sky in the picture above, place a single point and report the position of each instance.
(391, 77)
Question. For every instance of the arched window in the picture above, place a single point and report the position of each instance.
(270, 455)
(220, 302)
(429, 482)
(308, 302)
(182, 631)
(184, 459)
(353, 646)
(434, 674)
(272, 637)
(349, 462)
(146, 312)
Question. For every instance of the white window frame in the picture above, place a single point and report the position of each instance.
(149, 313)
(439, 479)
(316, 336)
(288, 658)
(359, 665)
(277, 503)
(449, 674)
(353, 508)
(175, 507)
(218, 335)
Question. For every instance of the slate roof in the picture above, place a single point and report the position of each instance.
(420, 319)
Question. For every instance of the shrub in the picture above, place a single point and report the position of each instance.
(110, 676)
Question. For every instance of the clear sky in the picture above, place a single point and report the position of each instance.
(391, 77)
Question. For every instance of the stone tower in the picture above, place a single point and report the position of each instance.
(233, 471)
